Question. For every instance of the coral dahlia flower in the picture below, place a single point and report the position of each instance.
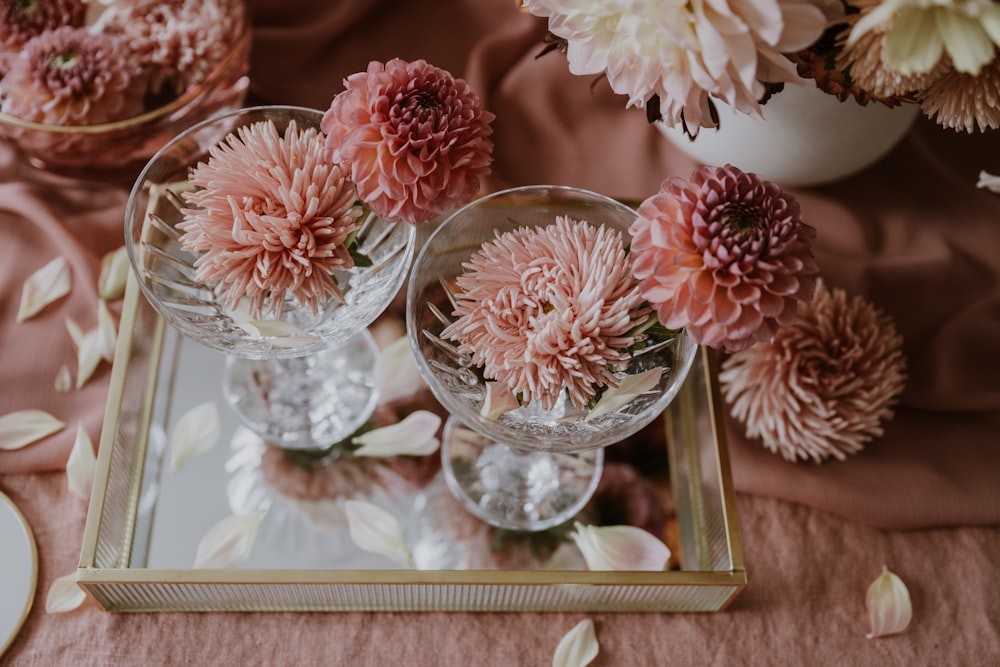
(547, 308)
(271, 220)
(723, 255)
(414, 139)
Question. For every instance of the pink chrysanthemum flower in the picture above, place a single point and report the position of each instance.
(272, 219)
(70, 76)
(823, 386)
(964, 102)
(547, 308)
(414, 139)
(723, 255)
(180, 41)
(20, 20)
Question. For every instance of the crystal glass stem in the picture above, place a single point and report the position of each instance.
(308, 402)
(513, 487)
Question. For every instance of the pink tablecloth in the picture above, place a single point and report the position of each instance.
(912, 233)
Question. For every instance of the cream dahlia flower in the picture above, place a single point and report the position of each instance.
(822, 387)
(685, 52)
(920, 32)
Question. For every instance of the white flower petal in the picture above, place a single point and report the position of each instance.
(499, 399)
(228, 542)
(114, 275)
(578, 647)
(64, 380)
(989, 182)
(913, 45)
(196, 432)
(567, 556)
(64, 595)
(107, 331)
(88, 356)
(373, 529)
(24, 427)
(49, 283)
(965, 41)
(81, 464)
(264, 328)
(75, 332)
(889, 606)
(620, 548)
(413, 436)
(631, 386)
(396, 373)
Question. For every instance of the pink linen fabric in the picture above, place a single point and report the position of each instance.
(912, 233)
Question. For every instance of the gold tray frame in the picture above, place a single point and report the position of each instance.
(112, 568)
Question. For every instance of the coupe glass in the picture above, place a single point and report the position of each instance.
(531, 468)
(305, 381)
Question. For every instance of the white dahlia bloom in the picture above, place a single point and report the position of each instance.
(685, 51)
(919, 32)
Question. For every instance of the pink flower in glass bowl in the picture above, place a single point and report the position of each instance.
(71, 76)
(272, 219)
(414, 139)
(547, 308)
(723, 255)
(180, 41)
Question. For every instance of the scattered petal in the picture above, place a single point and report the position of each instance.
(567, 556)
(620, 548)
(578, 647)
(282, 334)
(196, 432)
(81, 464)
(631, 386)
(75, 332)
(396, 373)
(498, 400)
(989, 181)
(88, 356)
(373, 529)
(416, 435)
(64, 381)
(228, 542)
(64, 595)
(107, 331)
(47, 284)
(24, 427)
(114, 275)
(889, 606)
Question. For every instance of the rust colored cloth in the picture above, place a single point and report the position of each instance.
(911, 233)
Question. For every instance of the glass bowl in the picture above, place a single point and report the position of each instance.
(122, 147)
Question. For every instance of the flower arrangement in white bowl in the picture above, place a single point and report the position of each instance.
(724, 66)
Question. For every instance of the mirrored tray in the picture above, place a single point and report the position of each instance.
(144, 522)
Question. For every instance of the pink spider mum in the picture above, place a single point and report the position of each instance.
(823, 386)
(723, 255)
(271, 219)
(180, 41)
(414, 139)
(548, 308)
(20, 20)
(71, 76)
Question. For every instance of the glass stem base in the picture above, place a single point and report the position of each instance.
(309, 402)
(513, 488)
